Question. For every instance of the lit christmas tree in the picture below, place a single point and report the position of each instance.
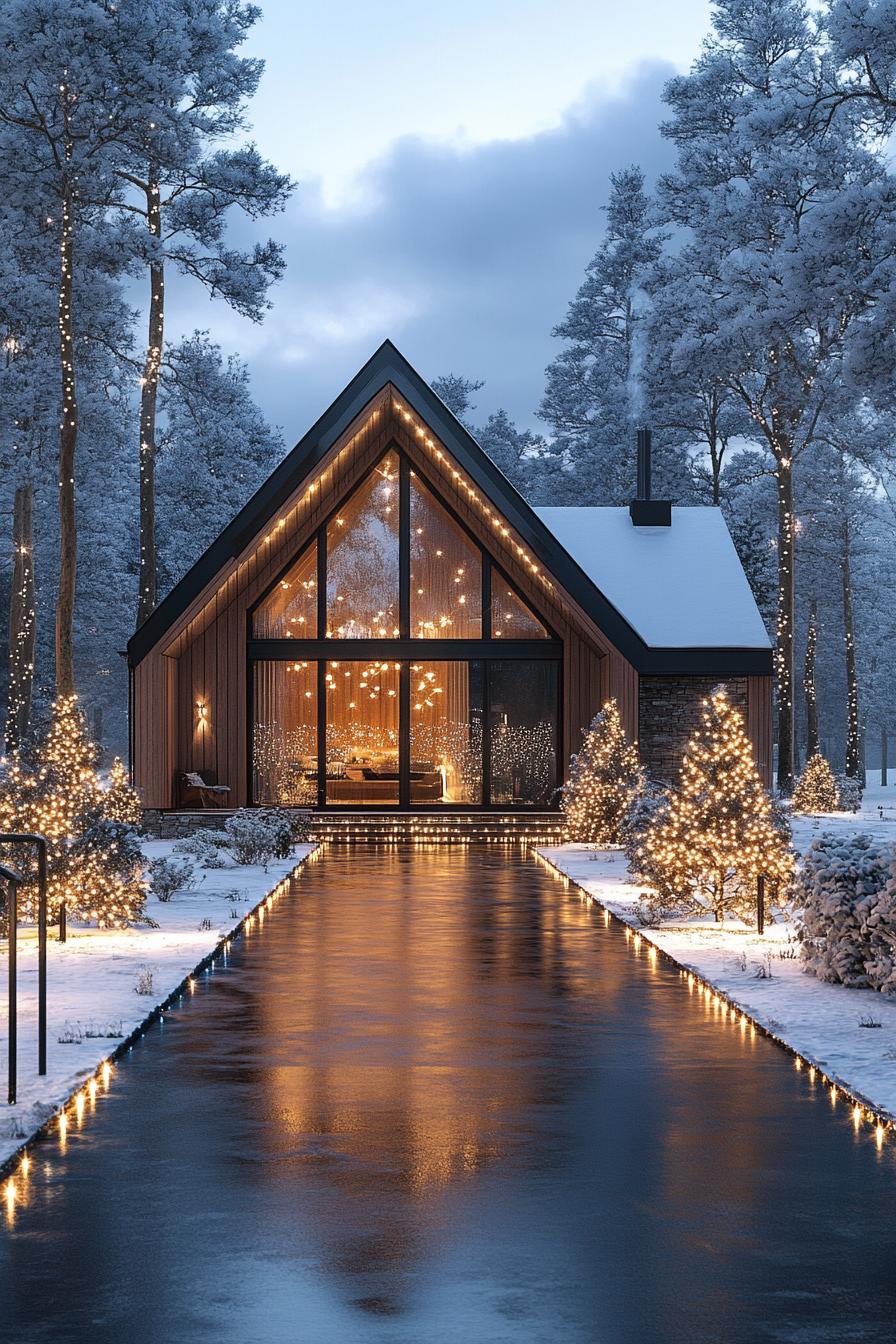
(816, 788)
(120, 801)
(603, 778)
(720, 830)
(94, 865)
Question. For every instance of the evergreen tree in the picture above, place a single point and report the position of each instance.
(594, 398)
(120, 803)
(816, 788)
(603, 778)
(719, 831)
(457, 392)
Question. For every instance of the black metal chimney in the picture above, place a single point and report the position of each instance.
(644, 511)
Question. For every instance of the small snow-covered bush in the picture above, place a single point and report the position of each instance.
(166, 876)
(837, 887)
(849, 793)
(816, 788)
(251, 838)
(645, 807)
(206, 847)
(280, 824)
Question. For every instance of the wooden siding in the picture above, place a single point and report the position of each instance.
(759, 724)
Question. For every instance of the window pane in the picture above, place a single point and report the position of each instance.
(284, 749)
(446, 573)
(446, 733)
(362, 732)
(511, 618)
(362, 559)
(290, 611)
(523, 732)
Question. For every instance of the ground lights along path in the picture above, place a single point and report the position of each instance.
(16, 1172)
(866, 1118)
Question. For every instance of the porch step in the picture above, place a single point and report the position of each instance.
(542, 828)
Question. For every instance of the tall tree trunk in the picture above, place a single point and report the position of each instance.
(68, 440)
(853, 760)
(809, 682)
(21, 619)
(149, 388)
(785, 641)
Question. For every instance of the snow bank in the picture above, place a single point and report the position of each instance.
(93, 1003)
(820, 1022)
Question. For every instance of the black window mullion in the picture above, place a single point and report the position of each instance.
(404, 548)
(486, 735)
(321, 733)
(404, 735)
(322, 583)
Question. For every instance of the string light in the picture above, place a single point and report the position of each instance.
(816, 788)
(603, 776)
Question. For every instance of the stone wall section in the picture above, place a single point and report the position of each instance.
(669, 712)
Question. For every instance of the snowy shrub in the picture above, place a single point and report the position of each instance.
(251, 838)
(816, 788)
(645, 807)
(879, 929)
(837, 887)
(849, 793)
(166, 876)
(280, 824)
(144, 982)
(206, 847)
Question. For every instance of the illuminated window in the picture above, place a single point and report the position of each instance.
(523, 732)
(284, 748)
(290, 610)
(446, 573)
(362, 559)
(362, 731)
(511, 618)
(446, 732)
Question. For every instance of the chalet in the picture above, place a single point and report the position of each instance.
(388, 625)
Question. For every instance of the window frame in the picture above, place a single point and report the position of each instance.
(403, 648)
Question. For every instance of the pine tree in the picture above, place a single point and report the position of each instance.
(94, 865)
(816, 788)
(594, 394)
(719, 831)
(603, 778)
(120, 802)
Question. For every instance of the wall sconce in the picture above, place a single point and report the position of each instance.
(201, 714)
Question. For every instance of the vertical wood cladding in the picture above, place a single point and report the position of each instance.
(670, 710)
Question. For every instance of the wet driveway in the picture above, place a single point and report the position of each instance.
(436, 1099)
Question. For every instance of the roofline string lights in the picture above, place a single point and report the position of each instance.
(727, 1012)
(72, 1116)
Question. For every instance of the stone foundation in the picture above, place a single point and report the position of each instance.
(177, 825)
(669, 712)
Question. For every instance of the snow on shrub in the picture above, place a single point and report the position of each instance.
(838, 886)
(816, 788)
(206, 847)
(256, 835)
(849, 793)
(166, 876)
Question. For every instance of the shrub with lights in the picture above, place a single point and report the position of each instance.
(121, 802)
(94, 862)
(849, 793)
(816, 788)
(603, 778)
(719, 829)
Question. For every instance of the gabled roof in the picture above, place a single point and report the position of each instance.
(680, 587)
(388, 366)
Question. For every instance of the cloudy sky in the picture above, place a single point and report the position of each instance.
(452, 160)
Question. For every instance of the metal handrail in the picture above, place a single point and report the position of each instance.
(13, 880)
(40, 841)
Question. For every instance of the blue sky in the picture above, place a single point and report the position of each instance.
(452, 162)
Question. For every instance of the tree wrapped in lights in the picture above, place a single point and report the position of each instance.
(94, 866)
(816, 788)
(120, 802)
(720, 830)
(603, 778)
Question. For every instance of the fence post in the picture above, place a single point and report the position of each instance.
(12, 881)
(760, 903)
(32, 838)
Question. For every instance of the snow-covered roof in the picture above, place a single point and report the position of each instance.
(679, 587)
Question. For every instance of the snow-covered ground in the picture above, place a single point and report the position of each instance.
(822, 1023)
(103, 984)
